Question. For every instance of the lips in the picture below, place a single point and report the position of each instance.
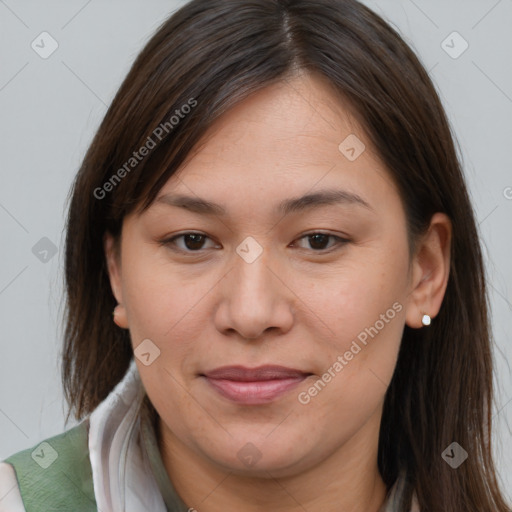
(252, 386)
(242, 374)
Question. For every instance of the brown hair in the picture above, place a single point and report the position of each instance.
(217, 53)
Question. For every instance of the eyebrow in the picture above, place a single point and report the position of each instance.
(305, 202)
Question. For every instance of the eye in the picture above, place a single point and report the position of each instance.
(317, 241)
(193, 242)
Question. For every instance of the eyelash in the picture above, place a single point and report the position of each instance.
(170, 242)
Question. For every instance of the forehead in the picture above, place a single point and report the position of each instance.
(277, 145)
(300, 119)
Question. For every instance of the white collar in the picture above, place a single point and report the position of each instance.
(122, 476)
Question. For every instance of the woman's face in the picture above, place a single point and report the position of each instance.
(254, 287)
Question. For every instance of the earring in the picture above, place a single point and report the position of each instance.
(114, 313)
(425, 320)
(119, 316)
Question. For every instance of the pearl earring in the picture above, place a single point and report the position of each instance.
(425, 320)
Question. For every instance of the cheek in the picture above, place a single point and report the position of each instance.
(362, 293)
(160, 298)
(362, 319)
(355, 377)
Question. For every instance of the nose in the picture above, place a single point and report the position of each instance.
(254, 299)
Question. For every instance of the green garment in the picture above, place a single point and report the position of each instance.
(57, 473)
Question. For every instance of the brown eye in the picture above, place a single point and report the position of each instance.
(319, 241)
(192, 242)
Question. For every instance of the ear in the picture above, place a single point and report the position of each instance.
(430, 271)
(113, 258)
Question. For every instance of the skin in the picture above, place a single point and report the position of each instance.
(299, 305)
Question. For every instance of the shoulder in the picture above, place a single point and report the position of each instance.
(52, 474)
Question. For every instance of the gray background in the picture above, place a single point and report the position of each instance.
(50, 109)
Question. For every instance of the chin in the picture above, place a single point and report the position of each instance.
(260, 457)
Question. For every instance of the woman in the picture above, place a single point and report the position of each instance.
(249, 363)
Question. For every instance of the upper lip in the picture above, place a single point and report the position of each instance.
(243, 374)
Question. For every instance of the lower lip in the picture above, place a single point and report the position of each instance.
(254, 393)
